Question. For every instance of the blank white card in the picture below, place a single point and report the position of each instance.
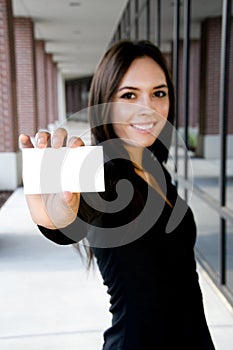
(51, 170)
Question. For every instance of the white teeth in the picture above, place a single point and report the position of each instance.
(143, 126)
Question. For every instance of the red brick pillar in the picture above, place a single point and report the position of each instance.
(194, 89)
(55, 92)
(25, 75)
(41, 84)
(8, 110)
(194, 84)
(209, 144)
(10, 174)
(50, 87)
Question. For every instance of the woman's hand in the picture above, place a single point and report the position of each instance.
(52, 210)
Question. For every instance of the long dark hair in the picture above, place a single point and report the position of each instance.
(107, 77)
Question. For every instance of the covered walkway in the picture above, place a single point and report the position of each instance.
(48, 53)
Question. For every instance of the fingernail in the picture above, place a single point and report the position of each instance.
(40, 141)
(68, 196)
(56, 142)
(74, 141)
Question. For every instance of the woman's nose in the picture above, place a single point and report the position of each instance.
(145, 101)
(146, 105)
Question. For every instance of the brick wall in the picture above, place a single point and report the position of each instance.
(73, 97)
(49, 89)
(55, 92)
(46, 86)
(194, 84)
(210, 78)
(8, 111)
(77, 94)
(26, 75)
(194, 87)
(41, 84)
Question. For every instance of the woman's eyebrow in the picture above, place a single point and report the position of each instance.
(161, 86)
(136, 89)
(127, 88)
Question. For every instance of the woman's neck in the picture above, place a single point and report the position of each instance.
(135, 154)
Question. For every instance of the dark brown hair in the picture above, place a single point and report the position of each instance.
(108, 75)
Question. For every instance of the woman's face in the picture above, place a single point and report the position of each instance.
(144, 107)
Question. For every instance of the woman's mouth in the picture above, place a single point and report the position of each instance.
(144, 127)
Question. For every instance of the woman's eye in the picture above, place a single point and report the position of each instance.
(160, 93)
(128, 95)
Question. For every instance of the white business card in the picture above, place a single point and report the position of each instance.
(51, 170)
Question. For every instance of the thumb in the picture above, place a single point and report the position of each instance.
(72, 199)
(68, 196)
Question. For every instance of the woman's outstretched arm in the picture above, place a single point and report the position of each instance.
(58, 210)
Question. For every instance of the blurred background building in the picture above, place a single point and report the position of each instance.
(48, 53)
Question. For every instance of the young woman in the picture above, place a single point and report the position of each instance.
(140, 231)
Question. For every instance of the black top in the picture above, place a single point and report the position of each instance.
(150, 270)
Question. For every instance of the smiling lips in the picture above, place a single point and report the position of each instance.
(144, 128)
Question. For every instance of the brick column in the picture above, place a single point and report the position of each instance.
(10, 174)
(50, 87)
(194, 84)
(55, 92)
(61, 97)
(77, 93)
(194, 106)
(41, 84)
(25, 75)
(8, 110)
(52, 90)
(209, 143)
(73, 97)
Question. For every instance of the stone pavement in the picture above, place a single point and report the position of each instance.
(48, 300)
